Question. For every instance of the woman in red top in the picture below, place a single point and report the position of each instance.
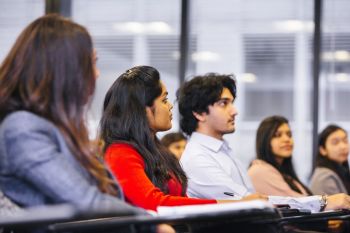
(136, 107)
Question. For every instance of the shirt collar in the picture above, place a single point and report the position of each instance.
(209, 142)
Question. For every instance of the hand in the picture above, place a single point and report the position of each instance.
(338, 201)
(255, 196)
(165, 228)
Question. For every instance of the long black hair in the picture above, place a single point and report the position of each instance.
(266, 132)
(342, 170)
(124, 120)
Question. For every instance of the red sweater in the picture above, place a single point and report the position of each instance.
(129, 168)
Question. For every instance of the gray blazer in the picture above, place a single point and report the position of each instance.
(326, 181)
(37, 168)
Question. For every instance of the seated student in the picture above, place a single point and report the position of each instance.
(332, 170)
(136, 107)
(175, 142)
(206, 106)
(45, 154)
(273, 172)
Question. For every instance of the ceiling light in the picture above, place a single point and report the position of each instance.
(249, 78)
(156, 27)
(294, 25)
(205, 56)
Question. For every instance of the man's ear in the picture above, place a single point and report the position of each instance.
(322, 150)
(199, 116)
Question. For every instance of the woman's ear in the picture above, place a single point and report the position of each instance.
(150, 117)
(322, 150)
(149, 113)
(199, 116)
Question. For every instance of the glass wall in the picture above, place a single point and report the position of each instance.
(335, 79)
(14, 16)
(128, 33)
(266, 44)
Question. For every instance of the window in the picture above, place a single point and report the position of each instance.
(14, 18)
(266, 44)
(128, 33)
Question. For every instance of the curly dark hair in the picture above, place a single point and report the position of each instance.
(199, 93)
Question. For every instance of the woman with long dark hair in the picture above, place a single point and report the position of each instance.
(273, 173)
(46, 157)
(136, 107)
(332, 173)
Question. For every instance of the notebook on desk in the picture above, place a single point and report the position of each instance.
(214, 208)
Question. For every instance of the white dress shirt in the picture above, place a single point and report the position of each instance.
(212, 170)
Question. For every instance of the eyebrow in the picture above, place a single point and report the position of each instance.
(336, 138)
(281, 131)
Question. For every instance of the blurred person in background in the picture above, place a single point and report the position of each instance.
(175, 142)
(272, 173)
(332, 169)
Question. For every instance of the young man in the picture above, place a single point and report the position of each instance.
(206, 105)
(207, 111)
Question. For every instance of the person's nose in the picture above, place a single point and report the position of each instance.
(234, 111)
(170, 106)
(286, 137)
(345, 146)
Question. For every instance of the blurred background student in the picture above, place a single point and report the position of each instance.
(175, 142)
(332, 169)
(272, 173)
